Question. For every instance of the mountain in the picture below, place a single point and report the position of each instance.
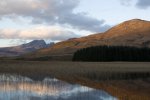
(24, 48)
(134, 32)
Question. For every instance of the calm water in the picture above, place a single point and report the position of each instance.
(15, 87)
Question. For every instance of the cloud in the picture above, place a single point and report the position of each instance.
(52, 12)
(126, 2)
(143, 4)
(53, 33)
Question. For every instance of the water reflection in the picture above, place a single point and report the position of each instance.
(15, 87)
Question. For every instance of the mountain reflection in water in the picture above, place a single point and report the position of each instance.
(16, 87)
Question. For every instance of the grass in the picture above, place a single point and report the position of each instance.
(125, 80)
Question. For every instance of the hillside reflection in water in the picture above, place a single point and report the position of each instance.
(16, 87)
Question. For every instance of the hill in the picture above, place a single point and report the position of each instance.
(134, 32)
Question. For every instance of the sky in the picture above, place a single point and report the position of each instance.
(22, 21)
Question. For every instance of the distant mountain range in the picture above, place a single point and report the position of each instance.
(24, 48)
(134, 32)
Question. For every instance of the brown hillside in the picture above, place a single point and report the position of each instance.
(134, 32)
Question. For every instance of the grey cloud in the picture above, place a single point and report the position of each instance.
(126, 2)
(83, 22)
(143, 4)
(52, 12)
(64, 36)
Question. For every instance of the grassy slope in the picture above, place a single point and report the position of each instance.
(130, 33)
(96, 75)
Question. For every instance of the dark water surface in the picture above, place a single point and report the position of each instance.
(16, 87)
